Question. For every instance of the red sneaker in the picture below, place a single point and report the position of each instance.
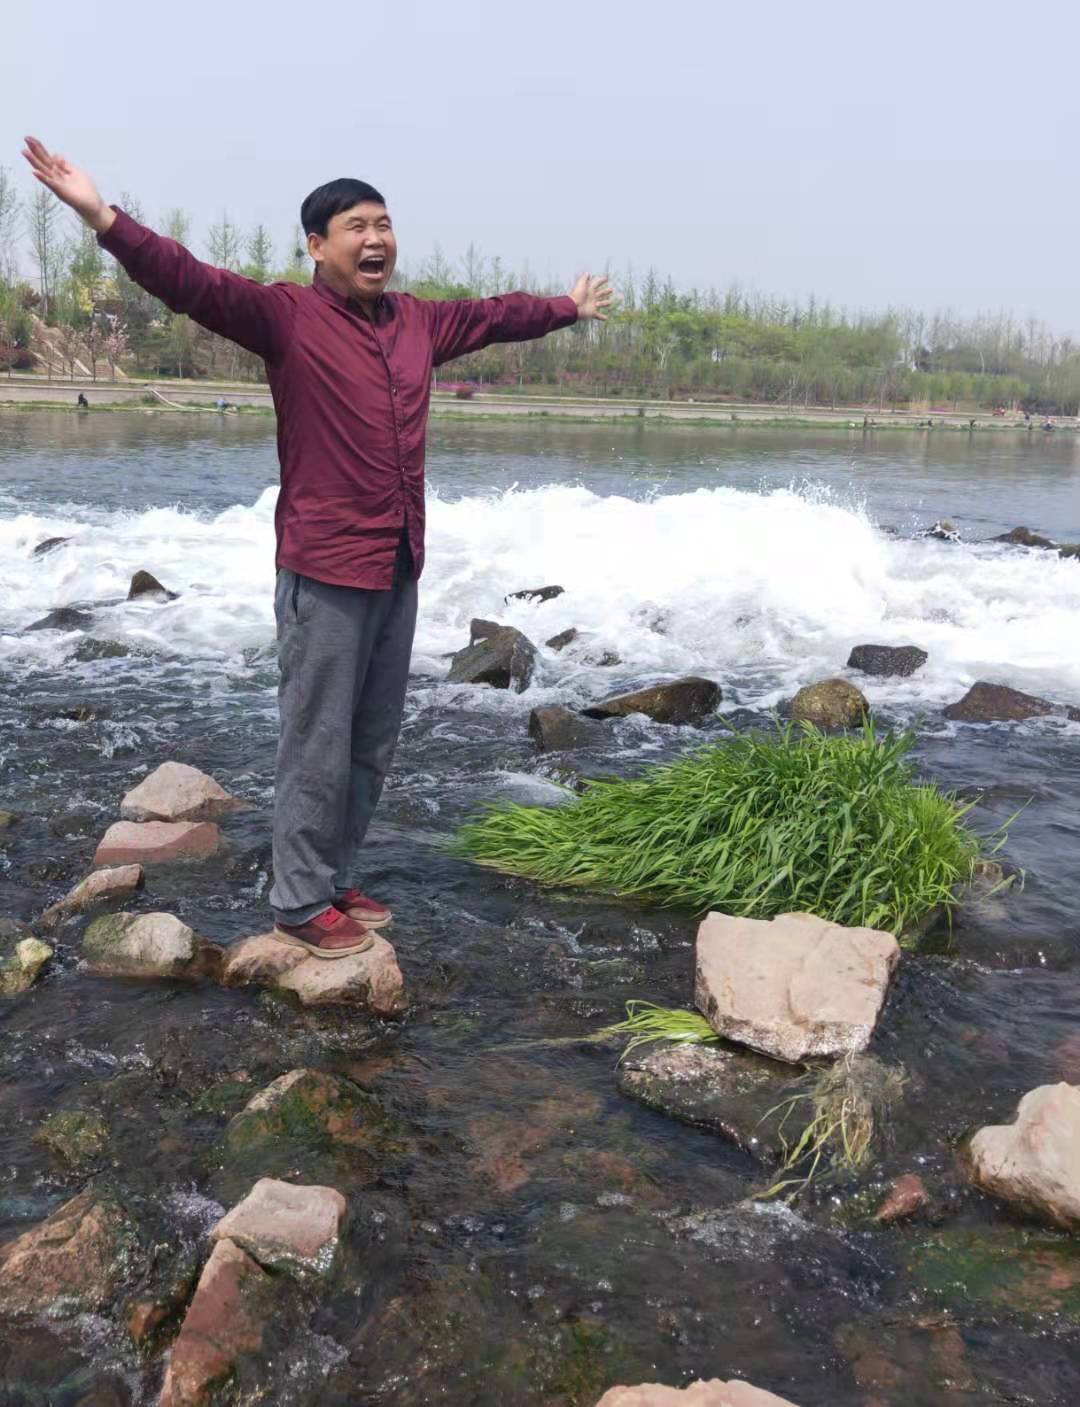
(364, 910)
(330, 934)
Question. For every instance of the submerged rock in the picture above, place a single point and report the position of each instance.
(49, 545)
(64, 618)
(7, 818)
(1034, 1162)
(146, 584)
(504, 659)
(887, 660)
(101, 887)
(71, 1261)
(156, 842)
(730, 1092)
(829, 703)
(997, 703)
(176, 792)
(75, 1136)
(19, 971)
(556, 729)
(682, 701)
(371, 979)
(146, 945)
(286, 1227)
(536, 593)
(1015, 1270)
(793, 986)
(907, 1195)
(310, 1106)
(225, 1321)
(703, 1393)
(1024, 537)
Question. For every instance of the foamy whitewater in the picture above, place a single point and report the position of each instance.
(761, 591)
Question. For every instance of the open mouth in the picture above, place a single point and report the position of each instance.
(374, 266)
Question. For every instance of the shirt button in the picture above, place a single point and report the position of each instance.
(393, 388)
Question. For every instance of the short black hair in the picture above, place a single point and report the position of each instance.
(327, 201)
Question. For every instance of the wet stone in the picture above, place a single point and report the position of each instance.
(480, 629)
(997, 703)
(733, 1093)
(74, 1136)
(564, 638)
(101, 887)
(64, 618)
(557, 729)
(157, 842)
(702, 1393)
(829, 703)
(536, 593)
(49, 545)
(505, 660)
(907, 1195)
(1034, 1162)
(1024, 537)
(144, 584)
(287, 1227)
(682, 701)
(1005, 1268)
(176, 792)
(71, 1261)
(145, 945)
(19, 970)
(371, 979)
(887, 660)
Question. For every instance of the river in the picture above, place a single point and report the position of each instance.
(535, 1236)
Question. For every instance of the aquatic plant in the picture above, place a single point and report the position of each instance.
(647, 1022)
(756, 826)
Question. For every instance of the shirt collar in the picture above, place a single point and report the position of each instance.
(323, 289)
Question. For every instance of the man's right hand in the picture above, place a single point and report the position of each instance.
(69, 184)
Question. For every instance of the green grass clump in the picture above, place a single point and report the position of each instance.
(647, 1022)
(836, 826)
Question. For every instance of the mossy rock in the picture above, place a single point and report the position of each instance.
(224, 1098)
(1001, 1267)
(829, 703)
(19, 970)
(75, 1136)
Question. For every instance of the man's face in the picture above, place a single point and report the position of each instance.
(357, 254)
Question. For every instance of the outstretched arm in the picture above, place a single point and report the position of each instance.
(238, 308)
(468, 324)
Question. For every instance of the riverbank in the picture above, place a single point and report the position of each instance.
(201, 398)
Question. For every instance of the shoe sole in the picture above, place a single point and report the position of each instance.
(326, 953)
(360, 916)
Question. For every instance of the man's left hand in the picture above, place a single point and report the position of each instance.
(593, 297)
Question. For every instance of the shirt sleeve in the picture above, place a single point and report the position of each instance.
(468, 324)
(255, 315)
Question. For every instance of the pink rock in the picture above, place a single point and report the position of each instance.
(793, 986)
(286, 1227)
(906, 1196)
(713, 1393)
(69, 1261)
(97, 888)
(371, 979)
(260, 961)
(1035, 1161)
(176, 792)
(224, 1321)
(153, 842)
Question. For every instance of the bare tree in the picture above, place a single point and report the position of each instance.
(115, 348)
(45, 242)
(10, 206)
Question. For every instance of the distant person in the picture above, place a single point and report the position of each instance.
(1049, 423)
(222, 403)
(82, 402)
(350, 369)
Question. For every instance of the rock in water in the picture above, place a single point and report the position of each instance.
(145, 584)
(793, 986)
(286, 1227)
(558, 730)
(944, 531)
(682, 701)
(19, 971)
(70, 1262)
(564, 638)
(224, 1321)
(143, 945)
(100, 887)
(1034, 1162)
(480, 629)
(310, 1107)
(1024, 537)
(733, 1093)
(64, 618)
(907, 1195)
(176, 792)
(886, 660)
(710, 1393)
(504, 659)
(371, 979)
(829, 703)
(156, 842)
(49, 545)
(996, 703)
(536, 593)
(75, 1136)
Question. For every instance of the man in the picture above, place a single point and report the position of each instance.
(350, 367)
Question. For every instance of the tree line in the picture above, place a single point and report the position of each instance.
(660, 342)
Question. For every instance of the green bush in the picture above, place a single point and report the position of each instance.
(757, 826)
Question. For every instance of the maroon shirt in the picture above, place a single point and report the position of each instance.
(351, 393)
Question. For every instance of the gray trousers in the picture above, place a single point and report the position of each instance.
(344, 655)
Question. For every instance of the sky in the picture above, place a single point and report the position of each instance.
(919, 155)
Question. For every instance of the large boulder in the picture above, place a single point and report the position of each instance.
(19, 970)
(371, 979)
(146, 945)
(176, 792)
(157, 842)
(733, 1093)
(72, 1261)
(64, 618)
(146, 584)
(1024, 537)
(682, 701)
(286, 1227)
(1034, 1162)
(997, 703)
(829, 703)
(100, 887)
(710, 1393)
(225, 1321)
(556, 729)
(793, 986)
(887, 660)
(504, 659)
